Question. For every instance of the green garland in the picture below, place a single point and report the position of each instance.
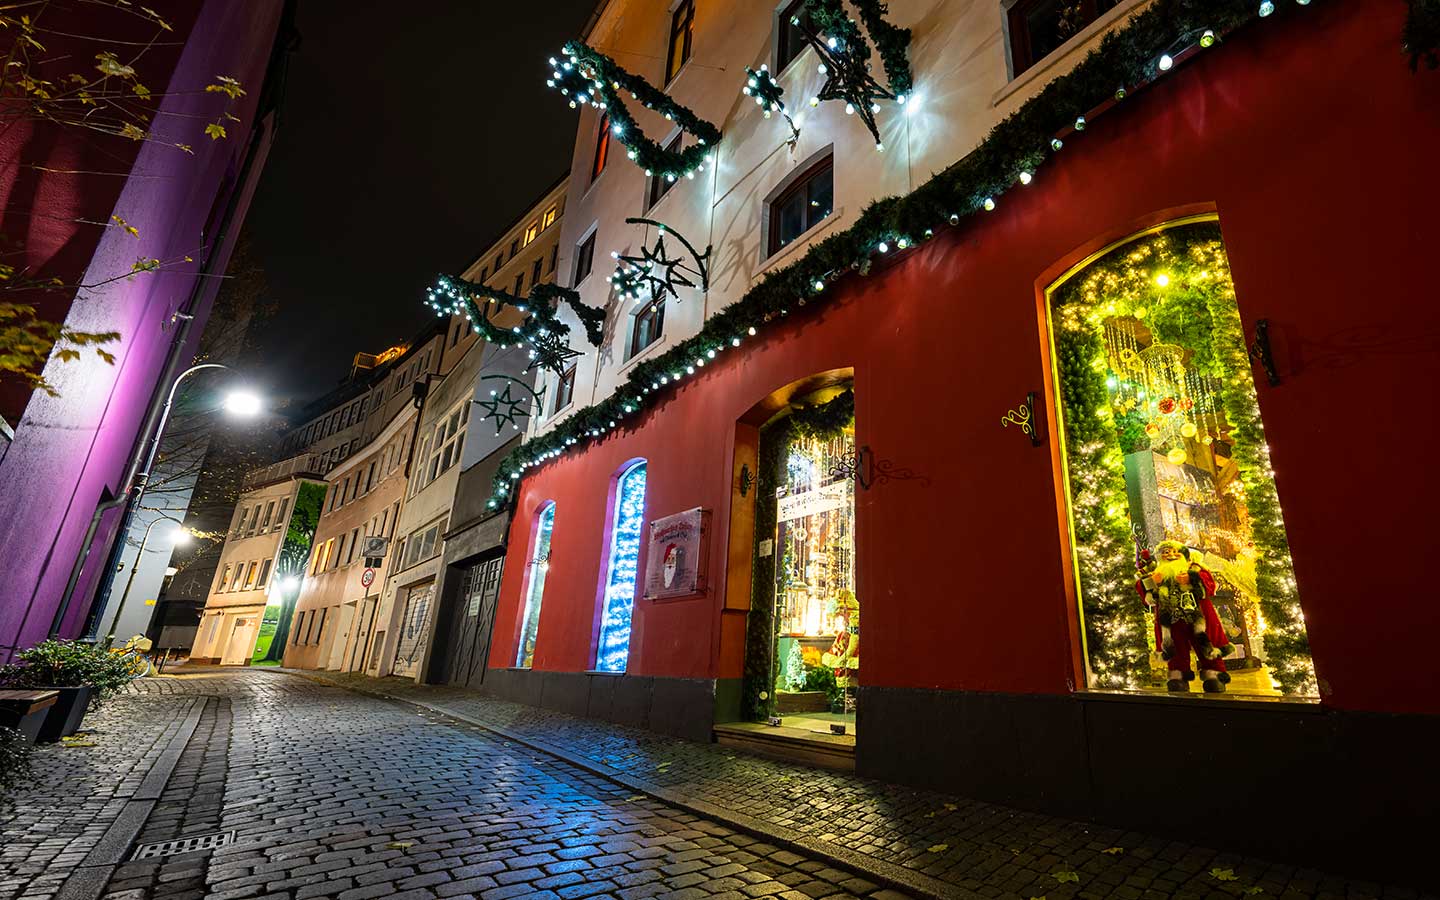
(892, 43)
(589, 76)
(765, 89)
(820, 420)
(458, 297)
(1422, 33)
(1197, 310)
(1013, 149)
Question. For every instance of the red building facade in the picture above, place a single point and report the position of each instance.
(1307, 147)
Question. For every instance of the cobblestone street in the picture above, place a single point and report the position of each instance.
(335, 793)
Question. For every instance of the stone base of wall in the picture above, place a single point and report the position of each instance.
(680, 707)
(1345, 791)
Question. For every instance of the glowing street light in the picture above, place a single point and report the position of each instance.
(243, 403)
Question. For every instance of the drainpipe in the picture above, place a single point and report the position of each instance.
(152, 415)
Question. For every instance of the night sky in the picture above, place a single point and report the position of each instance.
(411, 136)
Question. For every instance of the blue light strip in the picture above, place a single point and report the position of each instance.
(614, 650)
(539, 565)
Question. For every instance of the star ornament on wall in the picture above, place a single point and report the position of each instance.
(657, 270)
(504, 408)
(549, 351)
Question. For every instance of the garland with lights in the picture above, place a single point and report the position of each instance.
(767, 92)
(1008, 156)
(542, 329)
(589, 76)
(1422, 33)
(845, 61)
(891, 42)
(1194, 308)
(821, 420)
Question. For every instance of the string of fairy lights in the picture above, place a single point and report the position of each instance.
(1009, 157)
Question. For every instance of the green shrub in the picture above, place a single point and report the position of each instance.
(822, 678)
(68, 664)
(14, 761)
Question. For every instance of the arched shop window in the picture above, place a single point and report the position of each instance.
(613, 651)
(1183, 566)
(538, 566)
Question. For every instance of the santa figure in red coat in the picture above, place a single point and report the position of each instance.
(1178, 593)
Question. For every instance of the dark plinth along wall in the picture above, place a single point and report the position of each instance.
(681, 707)
(1294, 781)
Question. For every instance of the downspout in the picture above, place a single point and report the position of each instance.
(152, 415)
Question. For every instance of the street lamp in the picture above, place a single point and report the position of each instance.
(137, 479)
(178, 537)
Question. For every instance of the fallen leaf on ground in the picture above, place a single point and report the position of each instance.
(1063, 877)
(1113, 851)
(69, 744)
(400, 845)
(951, 807)
(937, 848)
(1224, 875)
(1257, 889)
(635, 797)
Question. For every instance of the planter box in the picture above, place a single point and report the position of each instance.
(26, 711)
(66, 714)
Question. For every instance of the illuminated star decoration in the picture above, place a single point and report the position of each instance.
(504, 408)
(844, 60)
(654, 269)
(549, 351)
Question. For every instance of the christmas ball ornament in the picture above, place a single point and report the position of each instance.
(1167, 405)
(1207, 440)
(1188, 429)
(1176, 456)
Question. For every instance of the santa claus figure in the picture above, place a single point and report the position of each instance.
(1178, 592)
(844, 654)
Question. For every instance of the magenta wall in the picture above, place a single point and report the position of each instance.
(1312, 140)
(69, 450)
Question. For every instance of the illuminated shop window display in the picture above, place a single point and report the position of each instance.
(1183, 566)
(539, 565)
(613, 652)
(817, 613)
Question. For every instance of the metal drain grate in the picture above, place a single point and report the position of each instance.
(183, 845)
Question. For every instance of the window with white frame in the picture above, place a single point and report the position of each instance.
(424, 542)
(445, 443)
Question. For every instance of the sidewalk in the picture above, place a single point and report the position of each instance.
(927, 842)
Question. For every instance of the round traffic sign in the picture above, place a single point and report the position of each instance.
(367, 577)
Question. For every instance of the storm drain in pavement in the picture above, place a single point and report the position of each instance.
(183, 845)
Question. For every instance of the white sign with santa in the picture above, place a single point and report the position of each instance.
(678, 555)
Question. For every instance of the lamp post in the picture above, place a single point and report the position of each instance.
(137, 479)
(181, 536)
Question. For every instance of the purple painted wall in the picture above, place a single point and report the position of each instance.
(71, 451)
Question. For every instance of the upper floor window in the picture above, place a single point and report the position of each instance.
(445, 445)
(531, 233)
(649, 325)
(424, 543)
(613, 652)
(602, 148)
(280, 521)
(535, 590)
(660, 185)
(1039, 27)
(499, 261)
(519, 283)
(564, 390)
(554, 256)
(537, 270)
(790, 33)
(584, 259)
(549, 218)
(484, 274)
(682, 34)
(514, 247)
(802, 205)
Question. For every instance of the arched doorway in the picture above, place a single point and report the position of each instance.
(802, 635)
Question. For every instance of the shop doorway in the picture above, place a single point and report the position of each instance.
(802, 667)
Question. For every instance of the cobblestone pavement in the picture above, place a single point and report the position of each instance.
(335, 793)
(982, 848)
(80, 789)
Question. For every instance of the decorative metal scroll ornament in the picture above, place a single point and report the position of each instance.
(845, 63)
(867, 471)
(504, 408)
(747, 479)
(655, 272)
(1025, 418)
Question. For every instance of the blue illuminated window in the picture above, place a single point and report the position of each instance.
(539, 565)
(614, 649)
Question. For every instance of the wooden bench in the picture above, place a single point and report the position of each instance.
(25, 711)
